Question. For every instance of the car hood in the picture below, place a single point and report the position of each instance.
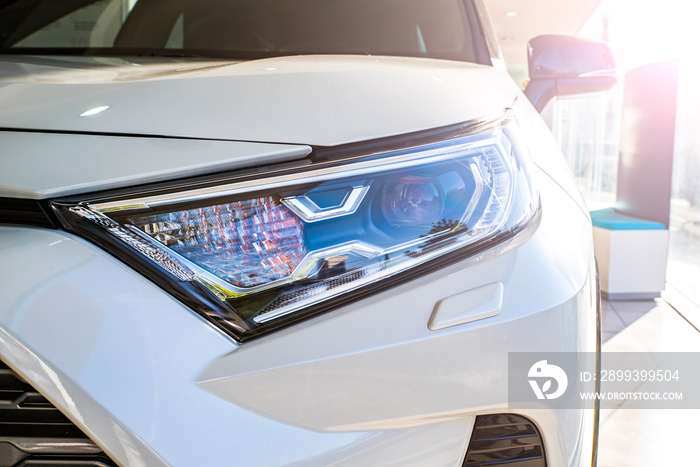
(310, 100)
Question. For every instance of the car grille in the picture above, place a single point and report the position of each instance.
(505, 440)
(34, 433)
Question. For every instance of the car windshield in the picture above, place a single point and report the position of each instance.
(445, 29)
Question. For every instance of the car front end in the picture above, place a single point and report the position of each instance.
(294, 260)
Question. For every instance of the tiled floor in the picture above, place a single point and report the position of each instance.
(620, 314)
(650, 437)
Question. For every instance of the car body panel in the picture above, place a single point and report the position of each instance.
(49, 165)
(310, 100)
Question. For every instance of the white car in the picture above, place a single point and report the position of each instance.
(302, 232)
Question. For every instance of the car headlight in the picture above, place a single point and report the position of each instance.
(253, 254)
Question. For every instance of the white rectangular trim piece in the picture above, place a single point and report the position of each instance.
(465, 307)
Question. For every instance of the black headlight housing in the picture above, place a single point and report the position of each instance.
(256, 252)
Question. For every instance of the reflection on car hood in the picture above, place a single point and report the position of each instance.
(316, 100)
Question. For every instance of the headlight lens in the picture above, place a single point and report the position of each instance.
(245, 243)
(272, 250)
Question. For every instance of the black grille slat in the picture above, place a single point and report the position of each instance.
(503, 432)
(503, 443)
(30, 415)
(34, 433)
(33, 400)
(505, 440)
(505, 456)
(10, 396)
(61, 462)
(501, 419)
(67, 431)
(9, 381)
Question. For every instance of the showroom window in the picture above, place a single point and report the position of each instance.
(684, 248)
(588, 128)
